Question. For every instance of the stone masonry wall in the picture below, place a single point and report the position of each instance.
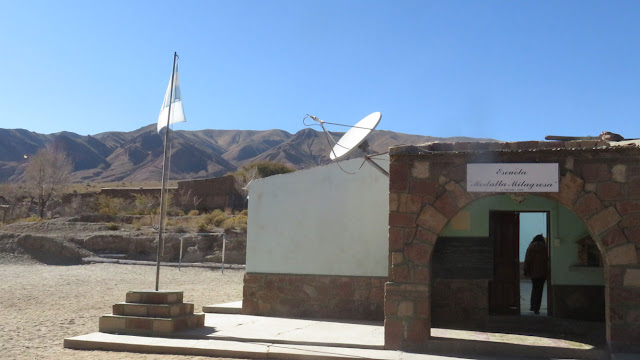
(601, 184)
(215, 193)
(314, 296)
(468, 307)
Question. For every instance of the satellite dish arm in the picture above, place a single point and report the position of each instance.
(376, 166)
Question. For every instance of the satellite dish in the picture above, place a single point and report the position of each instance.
(355, 136)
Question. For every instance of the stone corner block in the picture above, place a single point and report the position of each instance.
(622, 255)
(420, 169)
(632, 278)
(603, 220)
(432, 219)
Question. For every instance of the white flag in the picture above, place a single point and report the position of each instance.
(177, 112)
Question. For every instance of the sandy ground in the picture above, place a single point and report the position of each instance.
(40, 305)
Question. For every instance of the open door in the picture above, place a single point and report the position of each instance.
(504, 288)
(533, 223)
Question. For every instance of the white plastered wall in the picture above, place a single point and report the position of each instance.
(321, 221)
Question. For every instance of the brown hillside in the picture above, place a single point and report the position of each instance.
(136, 156)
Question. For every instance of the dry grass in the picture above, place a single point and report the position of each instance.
(41, 305)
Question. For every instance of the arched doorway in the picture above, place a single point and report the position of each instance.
(476, 264)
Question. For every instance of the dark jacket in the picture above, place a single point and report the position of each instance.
(535, 261)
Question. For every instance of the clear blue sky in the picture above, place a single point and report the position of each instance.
(510, 70)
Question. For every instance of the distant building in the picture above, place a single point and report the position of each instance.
(203, 195)
(130, 193)
(216, 193)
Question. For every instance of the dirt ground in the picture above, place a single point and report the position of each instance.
(40, 305)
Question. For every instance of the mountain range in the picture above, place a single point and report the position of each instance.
(137, 156)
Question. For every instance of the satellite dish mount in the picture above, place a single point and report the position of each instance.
(356, 137)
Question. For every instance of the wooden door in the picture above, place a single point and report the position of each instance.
(504, 288)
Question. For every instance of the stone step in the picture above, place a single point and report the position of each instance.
(227, 308)
(153, 310)
(135, 325)
(113, 256)
(154, 297)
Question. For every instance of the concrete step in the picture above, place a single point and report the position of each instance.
(152, 310)
(154, 297)
(136, 325)
(113, 256)
(227, 308)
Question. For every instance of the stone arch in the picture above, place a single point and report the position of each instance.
(603, 229)
(470, 306)
(427, 188)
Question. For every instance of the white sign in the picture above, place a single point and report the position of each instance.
(509, 177)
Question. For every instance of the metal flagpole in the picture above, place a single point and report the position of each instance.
(224, 244)
(164, 174)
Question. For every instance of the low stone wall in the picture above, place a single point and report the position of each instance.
(47, 250)
(201, 247)
(314, 296)
(61, 242)
(580, 302)
(459, 302)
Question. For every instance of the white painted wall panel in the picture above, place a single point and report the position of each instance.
(320, 221)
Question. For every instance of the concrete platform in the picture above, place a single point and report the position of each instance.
(248, 328)
(257, 337)
(234, 349)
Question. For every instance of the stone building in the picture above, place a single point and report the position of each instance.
(130, 193)
(204, 195)
(215, 193)
(451, 235)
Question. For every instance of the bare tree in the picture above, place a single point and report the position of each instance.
(186, 200)
(47, 172)
(244, 177)
(258, 170)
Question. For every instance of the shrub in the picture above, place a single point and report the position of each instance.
(146, 204)
(137, 224)
(77, 206)
(113, 226)
(220, 219)
(203, 226)
(268, 168)
(142, 221)
(175, 212)
(113, 206)
(235, 222)
(194, 213)
(216, 217)
(261, 169)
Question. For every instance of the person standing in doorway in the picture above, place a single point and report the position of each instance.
(535, 267)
